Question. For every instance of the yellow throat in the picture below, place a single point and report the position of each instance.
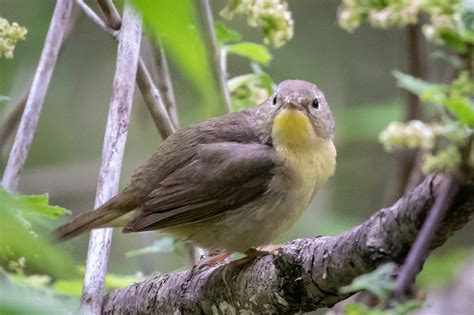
(293, 129)
(311, 157)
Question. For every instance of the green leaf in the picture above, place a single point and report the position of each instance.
(18, 240)
(378, 282)
(177, 25)
(163, 245)
(30, 204)
(463, 108)
(256, 52)
(453, 40)
(412, 84)
(225, 34)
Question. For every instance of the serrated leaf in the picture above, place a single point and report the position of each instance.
(225, 34)
(30, 204)
(256, 52)
(17, 240)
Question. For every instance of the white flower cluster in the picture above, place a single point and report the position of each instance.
(414, 134)
(445, 17)
(9, 35)
(380, 14)
(441, 141)
(271, 16)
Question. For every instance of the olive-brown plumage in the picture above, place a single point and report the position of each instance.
(231, 182)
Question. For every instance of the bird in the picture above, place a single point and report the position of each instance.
(231, 183)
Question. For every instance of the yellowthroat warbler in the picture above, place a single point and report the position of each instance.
(233, 182)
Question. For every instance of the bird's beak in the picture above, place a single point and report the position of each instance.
(293, 106)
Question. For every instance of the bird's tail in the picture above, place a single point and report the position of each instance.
(90, 220)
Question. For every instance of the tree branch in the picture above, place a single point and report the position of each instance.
(112, 155)
(37, 94)
(95, 18)
(150, 93)
(304, 274)
(164, 83)
(216, 56)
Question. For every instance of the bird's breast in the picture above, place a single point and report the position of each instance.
(306, 171)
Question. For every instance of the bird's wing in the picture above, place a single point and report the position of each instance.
(222, 176)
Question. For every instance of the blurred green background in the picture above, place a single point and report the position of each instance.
(354, 71)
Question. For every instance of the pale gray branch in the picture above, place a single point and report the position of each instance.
(37, 94)
(165, 85)
(216, 55)
(303, 275)
(150, 93)
(95, 18)
(112, 155)
(112, 16)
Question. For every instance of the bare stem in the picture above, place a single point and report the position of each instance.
(148, 89)
(112, 16)
(154, 102)
(12, 120)
(421, 245)
(95, 18)
(216, 55)
(165, 85)
(112, 155)
(37, 94)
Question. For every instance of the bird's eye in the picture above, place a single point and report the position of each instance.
(274, 100)
(315, 103)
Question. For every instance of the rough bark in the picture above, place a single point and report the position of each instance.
(303, 275)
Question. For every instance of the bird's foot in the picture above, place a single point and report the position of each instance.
(212, 260)
(261, 251)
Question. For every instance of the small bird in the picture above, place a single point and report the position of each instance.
(231, 183)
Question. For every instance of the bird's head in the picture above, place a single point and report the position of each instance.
(300, 115)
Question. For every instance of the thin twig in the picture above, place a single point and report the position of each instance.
(148, 89)
(95, 18)
(12, 120)
(165, 85)
(216, 56)
(154, 102)
(421, 245)
(37, 94)
(112, 16)
(112, 155)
